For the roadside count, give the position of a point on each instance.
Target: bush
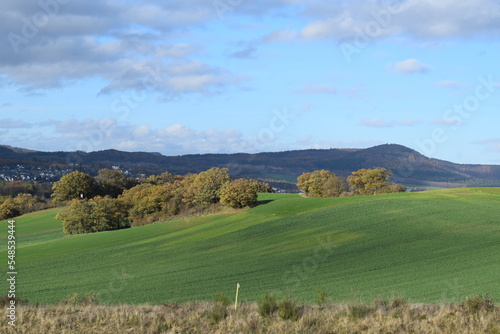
(8, 209)
(238, 194)
(321, 183)
(5, 301)
(288, 310)
(218, 313)
(21, 204)
(322, 297)
(222, 298)
(475, 304)
(262, 187)
(206, 186)
(95, 215)
(219, 308)
(359, 311)
(381, 304)
(398, 302)
(82, 300)
(267, 304)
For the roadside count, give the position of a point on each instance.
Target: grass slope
(429, 247)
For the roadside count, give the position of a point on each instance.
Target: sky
(225, 76)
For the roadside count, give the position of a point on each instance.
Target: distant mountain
(18, 149)
(407, 165)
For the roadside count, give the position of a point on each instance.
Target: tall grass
(379, 317)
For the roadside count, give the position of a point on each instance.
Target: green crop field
(436, 246)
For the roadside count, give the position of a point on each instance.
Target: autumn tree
(372, 181)
(206, 185)
(335, 186)
(113, 182)
(321, 183)
(140, 200)
(109, 213)
(78, 217)
(8, 209)
(26, 203)
(74, 185)
(152, 200)
(239, 193)
(168, 177)
(262, 187)
(165, 177)
(94, 215)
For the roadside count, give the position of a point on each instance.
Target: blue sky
(224, 76)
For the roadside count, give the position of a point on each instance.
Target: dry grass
(382, 317)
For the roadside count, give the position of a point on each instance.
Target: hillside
(429, 247)
(407, 165)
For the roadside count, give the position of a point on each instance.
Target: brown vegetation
(323, 183)
(21, 204)
(157, 198)
(202, 317)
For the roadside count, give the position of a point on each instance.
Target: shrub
(321, 183)
(219, 308)
(5, 301)
(288, 310)
(8, 209)
(218, 313)
(82, 300)
(262, 187)
(397, 302)
(381, 304)
(475, 304)
(95, 215)
(359, 311)
(238, 194)
(322, 297)
(207, 185)
(221, 298)
(267, 304)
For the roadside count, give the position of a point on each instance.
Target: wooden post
(237, 290)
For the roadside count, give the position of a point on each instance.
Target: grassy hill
(434, 246)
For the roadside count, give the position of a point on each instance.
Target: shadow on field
(259, 203)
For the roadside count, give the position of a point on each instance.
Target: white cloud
(448, 122)
(410, 122)
(411, 66)
(142, 131)
(8, 123)
(492, 144)
(310, 142)
(99, 134)
(310, 88)
(245, 53)
(419, 19)
(379, 123)
(450, 84)
(280, 36)
(376, 123)
(111, 41)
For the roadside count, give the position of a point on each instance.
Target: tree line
(21, 204)
(18, 198)
(111, 200)
(323, 183)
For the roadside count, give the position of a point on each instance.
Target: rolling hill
(434, 246)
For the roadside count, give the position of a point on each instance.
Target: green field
(436, 246)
